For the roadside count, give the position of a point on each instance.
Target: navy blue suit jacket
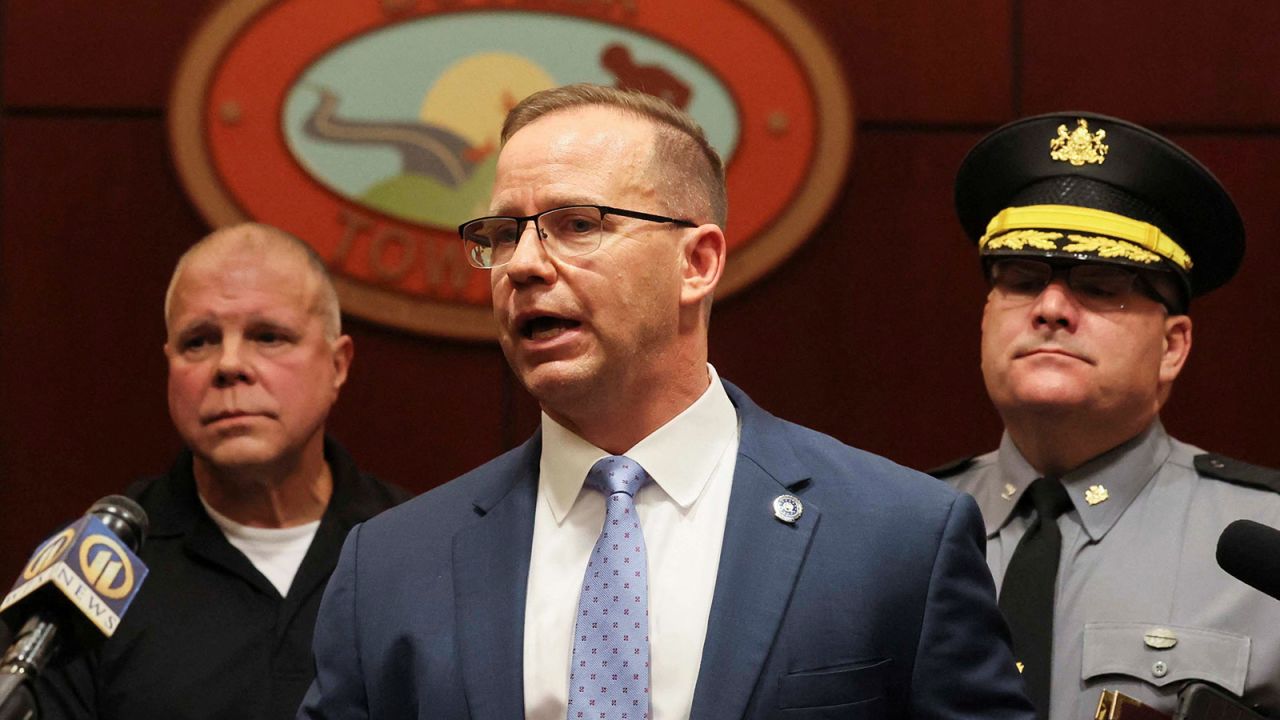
(877, 603)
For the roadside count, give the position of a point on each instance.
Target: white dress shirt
(682, 515)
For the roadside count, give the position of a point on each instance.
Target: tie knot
(1049, 498)
(617, 474)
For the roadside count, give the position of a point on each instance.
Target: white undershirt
(682, 514)
(276, 552)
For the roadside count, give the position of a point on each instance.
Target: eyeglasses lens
(565, 232)
(1096, 286)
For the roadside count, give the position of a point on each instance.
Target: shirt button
(1159, 669)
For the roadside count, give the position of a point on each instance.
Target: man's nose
(233, 366)
(1056, 306)
(530, 261)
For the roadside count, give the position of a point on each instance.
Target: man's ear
(703, 255)
(344, 351)
(1177, 346)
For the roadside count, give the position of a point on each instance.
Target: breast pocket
(1160, 655)
(834, 691)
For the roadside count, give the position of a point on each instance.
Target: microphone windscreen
(124, 518)
(1250, 552)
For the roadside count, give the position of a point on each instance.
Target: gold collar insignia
(1096, 494)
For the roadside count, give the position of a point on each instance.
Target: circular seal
(787, 508)
(375, 129)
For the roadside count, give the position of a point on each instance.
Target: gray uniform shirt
(1138, 570)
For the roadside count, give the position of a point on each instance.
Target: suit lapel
(490, 574)
(760, 561)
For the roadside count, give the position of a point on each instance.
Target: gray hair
(263, 236)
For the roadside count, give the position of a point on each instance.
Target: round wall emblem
(370, 128)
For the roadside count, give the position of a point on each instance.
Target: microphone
(73, 591)
(1250, 552)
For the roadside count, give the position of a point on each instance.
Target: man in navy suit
(772, 571)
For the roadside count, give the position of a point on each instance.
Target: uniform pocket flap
(840, 685)
(1162, 654)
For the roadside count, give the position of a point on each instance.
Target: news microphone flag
(89, 565)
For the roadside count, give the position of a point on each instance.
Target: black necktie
(1026, 597)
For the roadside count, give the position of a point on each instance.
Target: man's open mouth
(545, 327)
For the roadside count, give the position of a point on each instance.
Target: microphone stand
(23, 661)
(18, 703)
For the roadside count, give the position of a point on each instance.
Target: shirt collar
(173, 505)
(680, 456)
(1100, 490)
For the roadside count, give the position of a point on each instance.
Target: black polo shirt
(208, 636)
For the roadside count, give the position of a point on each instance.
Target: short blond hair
(266, 237)
(680, 144)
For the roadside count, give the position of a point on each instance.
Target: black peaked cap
(1142, 176)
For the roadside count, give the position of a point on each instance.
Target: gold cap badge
(1078, 147)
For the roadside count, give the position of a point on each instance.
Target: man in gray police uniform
(1095, 234)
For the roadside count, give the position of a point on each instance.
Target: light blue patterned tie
(609, 674)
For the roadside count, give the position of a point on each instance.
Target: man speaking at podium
(662, 548)
(247, 524)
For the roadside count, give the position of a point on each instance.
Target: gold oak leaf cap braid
(1092, 188)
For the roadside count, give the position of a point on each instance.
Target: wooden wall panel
(935, 61)
(418, 413)
(1226, 398)
(76, 54)
(870, 332)
(1182, 62)
(92, 220)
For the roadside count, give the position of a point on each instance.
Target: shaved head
(263, 240)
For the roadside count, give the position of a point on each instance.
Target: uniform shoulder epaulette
(1221, 467)
(955, 467)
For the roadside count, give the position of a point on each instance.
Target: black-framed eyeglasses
(569, 231)
(1100, 287)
